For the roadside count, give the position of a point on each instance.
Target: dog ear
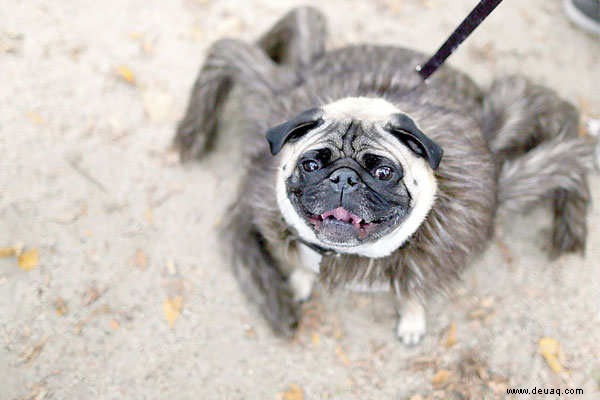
(405, 129)
(294, 128)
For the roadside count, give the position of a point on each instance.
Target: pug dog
(363, 176)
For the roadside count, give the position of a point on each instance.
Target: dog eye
(310, 165)
(370, 161)
(383, 173)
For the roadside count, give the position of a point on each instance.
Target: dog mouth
(341, 220)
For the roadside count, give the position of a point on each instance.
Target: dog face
(356, 176)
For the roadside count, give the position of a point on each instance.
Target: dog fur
(509, 147)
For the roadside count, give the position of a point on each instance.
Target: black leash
(467, 26)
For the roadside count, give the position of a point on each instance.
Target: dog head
(355, 176)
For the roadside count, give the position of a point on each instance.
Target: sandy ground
(86, 177)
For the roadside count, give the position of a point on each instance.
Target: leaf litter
(552, 353)
(293, 392)
(27, 259)
(172, 309)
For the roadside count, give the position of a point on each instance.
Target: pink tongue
(341, 214)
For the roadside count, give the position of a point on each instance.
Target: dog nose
(344, 179)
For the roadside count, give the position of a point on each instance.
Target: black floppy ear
(405, 129)
(294, 128)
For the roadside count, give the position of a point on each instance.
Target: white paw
(412, 325)
(302, 282)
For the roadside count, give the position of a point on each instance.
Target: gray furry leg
(534, 135)
(297, 39)
(228, 62)
(554, 170)
(259, 275)
(518, 115)
(570, 211)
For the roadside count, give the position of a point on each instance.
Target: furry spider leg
(534, 134)
(270, 66)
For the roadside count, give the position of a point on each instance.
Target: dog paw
(282, 312)
(301, 282)
(412, 325)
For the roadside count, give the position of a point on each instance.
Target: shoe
(584, 13)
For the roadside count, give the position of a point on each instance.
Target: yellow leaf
(450, 336)
(440, 378)
(140, 260)
(550, 349)
(35, 117)
(172, 309)
(149, 215)
(61, 306)
(29, 259)
(114, 324)
(316, 339)
(126, 74)
(294, 392)
(342, 356)
(7, 252)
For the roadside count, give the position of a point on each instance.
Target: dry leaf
(61, 306)
(149, 214)
(36, 118)
(450, 339)
(32, 353)
(294, 392)
(29, 259)
(316, 339)
(172, 309)
(440, 378)
(7, 252)
(140, 260)
(114, 324)
(37, 392)
(342, 356)
(550, 349)
(126, 74)
(91, 294)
